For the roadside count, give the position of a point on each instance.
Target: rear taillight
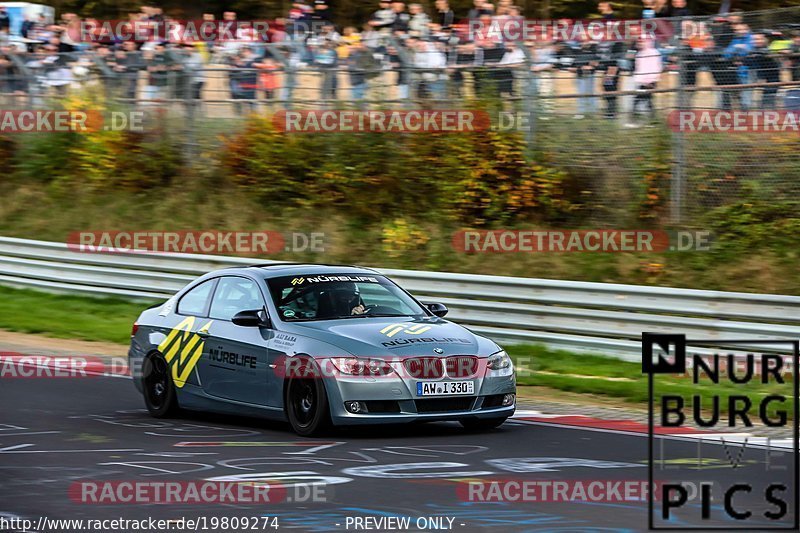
(134, 329)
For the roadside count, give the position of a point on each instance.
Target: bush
(476, 179)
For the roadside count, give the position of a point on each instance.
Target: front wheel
(307, 407)
(160, 396)
(482, 424)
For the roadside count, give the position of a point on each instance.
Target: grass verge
(68, 316)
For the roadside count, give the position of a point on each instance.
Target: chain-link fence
(603, 110)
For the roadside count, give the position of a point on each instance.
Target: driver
(348, 297)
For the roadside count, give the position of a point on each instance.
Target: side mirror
(251, 319)
(437, 309)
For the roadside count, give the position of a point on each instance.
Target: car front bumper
(393, 400)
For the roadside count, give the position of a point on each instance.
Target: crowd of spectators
(433, 53)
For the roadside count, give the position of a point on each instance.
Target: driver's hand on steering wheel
(359, 310)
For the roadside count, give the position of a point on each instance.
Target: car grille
(457, 366)
(495, 400)
(443, 405)
(382, 406)
(424, 367)
(461, 366)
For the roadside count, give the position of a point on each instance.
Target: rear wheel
(307, 406)
(482, 424)
(160, 396)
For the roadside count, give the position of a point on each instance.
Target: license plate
(445, 388)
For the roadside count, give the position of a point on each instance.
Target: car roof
(276, 270)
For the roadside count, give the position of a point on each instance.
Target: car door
(182, 345)
(234, 362)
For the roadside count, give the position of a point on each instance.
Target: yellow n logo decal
(182, 349)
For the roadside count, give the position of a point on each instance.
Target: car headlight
(498, 361)
(355, 366)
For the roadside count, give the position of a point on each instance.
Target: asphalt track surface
(56, 432)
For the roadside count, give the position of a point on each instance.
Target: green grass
(67, 316)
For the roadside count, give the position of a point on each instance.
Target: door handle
(203, 333)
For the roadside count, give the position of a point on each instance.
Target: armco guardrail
(580, 316)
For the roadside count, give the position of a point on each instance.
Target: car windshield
(338, 296)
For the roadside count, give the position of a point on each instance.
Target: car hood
(393, 337)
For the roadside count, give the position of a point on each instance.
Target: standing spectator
(793, 55)
(403, 73)
(722, 68)
(268, 79)
(298, 23)
(463, 59)
(244, 78)
(127, 64)
(606, 11)
(610, 54)
(584, 67)
(27, 26)
(401, 18)
(764, 66)
(370, 37)
(480, 8)
(10, 76)
(322, 12)
(419, 21)
(349, 37)
(445, 15)
(194, 64)
(5, 23)
(431, 63)
(383, 19)
(646, 74)
(648, 9)
(325, 58)
(361, 66)
(329, 34)
(544, 62)
(692, 54)
(488, 52)
(661, 8)
(158, 68)
(740, 47)
(512, 58)
(679, 9)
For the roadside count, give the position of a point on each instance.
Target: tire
(160, 395)
(307, 409)
(482, 424)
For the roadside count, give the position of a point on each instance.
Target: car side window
(195, 302)
(234, 295)
(304, 306)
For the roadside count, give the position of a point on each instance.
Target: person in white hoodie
(648, 66)
(419, 20)
(431, 62)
